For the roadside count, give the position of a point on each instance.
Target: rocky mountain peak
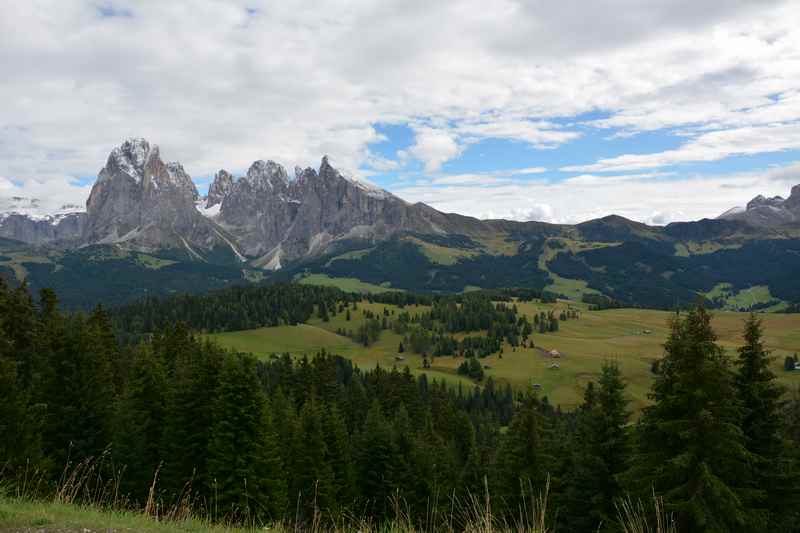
(326, 170)
(305, 175)
(141, 200)
(793, 202)
(768, 212)
(267, 175)
(761, 200)
(130, 158)
(178, 179)
(219, 188)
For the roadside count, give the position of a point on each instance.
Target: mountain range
(146, 229)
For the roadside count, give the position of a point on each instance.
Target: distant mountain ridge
(768, 212)
(147, 229)
(263, 217)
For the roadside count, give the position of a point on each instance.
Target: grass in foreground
(27, 515)
(51, 517)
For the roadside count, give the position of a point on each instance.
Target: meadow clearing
(631, 337)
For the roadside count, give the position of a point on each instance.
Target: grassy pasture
(631, 337)
(346, 284)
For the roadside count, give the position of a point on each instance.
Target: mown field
(631, 337)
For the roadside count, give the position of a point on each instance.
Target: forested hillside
(178, 421)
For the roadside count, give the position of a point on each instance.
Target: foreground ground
(28, 516)
(632, 337)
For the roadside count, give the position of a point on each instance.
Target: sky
(561, 111)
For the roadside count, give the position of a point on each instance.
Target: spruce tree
(770, 481)
(20, 425)
(78, 390)
(139, 423)
(691, 449)
(312, 476)
(521, 470)
(377, 459)
(244, 463)
(600, 454)
(187, 427)
(339, 457)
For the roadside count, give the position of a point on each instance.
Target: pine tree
(188, 421)
(244, 464)
(601, 452)
(338, 456)
(690, 446)
(312, 476)
(760, 396)
(471, 474)
(377, 457)
(20, 425)
(521, 470)
(78, 389)
(139, 422)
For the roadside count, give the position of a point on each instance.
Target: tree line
(249, 439)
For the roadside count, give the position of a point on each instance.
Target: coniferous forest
(159, 417)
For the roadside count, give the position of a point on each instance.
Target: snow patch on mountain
(207, 211)
(34, 209)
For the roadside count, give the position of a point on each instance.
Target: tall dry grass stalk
(84, 483)
(634, 517)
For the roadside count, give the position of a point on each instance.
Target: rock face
(768, 212)
(277, 220)
(23, 219)
(219, 189)
(140, 200)
(56, 228)
(263, 217)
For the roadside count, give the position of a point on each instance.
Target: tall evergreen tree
(187, 426)
(20, 424)
(601, 454)
(139, 423)
(691, 449)
(339, 457)
(312, 475)
(377, 457)
(78, 389)
(521, 470)
(244, 463)
(772, 482)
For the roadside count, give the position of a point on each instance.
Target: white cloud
(529, 170)
(534, 212)
(711, 146)
(434, 147)
(220, 84)
(485, 178)
(789, 174)
(540, 134)
(654, 198)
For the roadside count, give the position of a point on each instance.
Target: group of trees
(471, 368)
(230, 309)
(283, 438)
(431, 333)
